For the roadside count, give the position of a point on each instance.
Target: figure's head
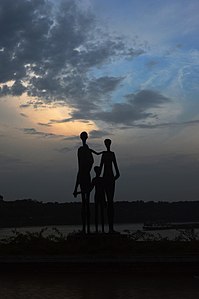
(83, 136)
(97, 170)
(107, 143)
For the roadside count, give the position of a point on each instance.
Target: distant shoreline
(28, 212)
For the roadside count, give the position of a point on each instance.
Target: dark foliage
(29, 212)
(96, 245)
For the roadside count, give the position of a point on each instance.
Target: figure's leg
(96, 216)
(110, 214)
(83, 211)
(110, 209)
(102, 215)
(107, 192)
(88, 212)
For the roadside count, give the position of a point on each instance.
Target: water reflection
(98, 286)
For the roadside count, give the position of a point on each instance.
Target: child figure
(100, 201)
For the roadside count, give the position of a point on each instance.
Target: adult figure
(85, 163)
(108, 160)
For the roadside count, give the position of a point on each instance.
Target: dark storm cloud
(97, 93)
(17, 88)
(32, 131)
(4, 90)
(99, 87)
(53, 50)
(145, 99)
(23, 26)
(135, 108)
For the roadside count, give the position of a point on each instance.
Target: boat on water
(156, 226)
(165, 226)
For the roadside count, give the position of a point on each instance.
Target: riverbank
(136, 253)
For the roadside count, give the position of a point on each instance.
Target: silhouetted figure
(100, 200)
(108, 160)
(85, 163)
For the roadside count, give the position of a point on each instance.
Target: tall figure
(108, 160)
(85, 163)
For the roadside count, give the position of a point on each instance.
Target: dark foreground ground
(102, 253)
(98, 285)
(186, 266)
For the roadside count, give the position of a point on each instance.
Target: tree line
(28, 212)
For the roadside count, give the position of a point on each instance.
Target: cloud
(32, 131)
(101, 86)
(96, 94)
(25, 105)
(49, 52)
(35, 103)
(162, 125)
(64, 150)
(59, 121)
(17, 88)
(72, 138)
(95, 134)
(171, 124)
(151, 63)
(146, 99)
(43, 124)
(135, 108)
(4, 90)
(23, 114)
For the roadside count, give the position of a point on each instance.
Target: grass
(77, 244)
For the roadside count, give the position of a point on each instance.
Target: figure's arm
(101, 163)
(116, 167)
(75, 193)
(94, 152)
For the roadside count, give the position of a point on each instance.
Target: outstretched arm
(94, 152)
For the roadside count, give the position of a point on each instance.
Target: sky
(127, 70)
